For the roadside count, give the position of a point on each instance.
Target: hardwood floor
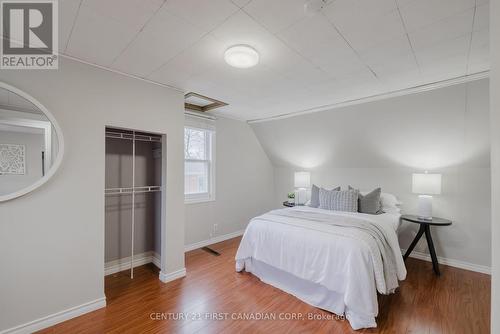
(457, 302)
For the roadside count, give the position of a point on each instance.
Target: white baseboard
(112, 267)
(140, 259)
(451, 262)
(56, 318)
(165, 278)
(156, 260)
(115, 266)
(182, 272)
(214, 240)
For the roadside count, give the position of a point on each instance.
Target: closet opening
(134, 202)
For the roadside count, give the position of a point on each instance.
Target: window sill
(198, 200)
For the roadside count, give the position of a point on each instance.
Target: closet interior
(133, 200)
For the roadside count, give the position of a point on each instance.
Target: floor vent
(211, 251)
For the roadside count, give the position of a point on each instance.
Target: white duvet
(352, 254)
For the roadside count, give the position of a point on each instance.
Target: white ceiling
(351, 49)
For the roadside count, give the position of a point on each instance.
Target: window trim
(210, 152)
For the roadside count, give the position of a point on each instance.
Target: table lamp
(426, 185)
(302, 182)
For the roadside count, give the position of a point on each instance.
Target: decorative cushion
(344, 200)
(314, 202)
(370, 202)
(389, 201)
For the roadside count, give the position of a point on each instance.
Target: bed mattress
(325, 262)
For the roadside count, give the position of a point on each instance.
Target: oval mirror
(31, 143)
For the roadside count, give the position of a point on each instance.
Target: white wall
(495, 161)
(381, 143)
(34, 145)
(52, 240)
(244, 184)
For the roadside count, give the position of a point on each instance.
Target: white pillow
(392, 210)
(389, 202)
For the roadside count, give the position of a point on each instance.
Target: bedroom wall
(34, 145)
(244, 184)
(495, 161)
(52, 240)
(382, 143)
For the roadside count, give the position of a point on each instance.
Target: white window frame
(210, 153)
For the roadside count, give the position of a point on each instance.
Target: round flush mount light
(241, 56)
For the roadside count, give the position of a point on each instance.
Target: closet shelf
(132, 136)
(130, 190)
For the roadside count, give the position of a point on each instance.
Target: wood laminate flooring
(213, 298)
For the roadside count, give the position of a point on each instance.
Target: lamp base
(300, 196)
(425, 207)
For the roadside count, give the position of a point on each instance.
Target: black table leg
(414, 242)
(435, 264)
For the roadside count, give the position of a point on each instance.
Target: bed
(333, 260)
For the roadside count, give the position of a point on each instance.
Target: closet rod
(129, 190)
(129, 136)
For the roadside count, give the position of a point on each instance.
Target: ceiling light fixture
(241, 56)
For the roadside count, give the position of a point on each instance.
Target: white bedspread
(351, 254)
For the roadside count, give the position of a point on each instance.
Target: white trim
(200, 115)
(122, 264)
(45, 126)
(165, 278)
(164, 216)
(156, 260)
(212, 241)
(383, 96)
(56, 318)
(198, 123)
(451, 262)
(414, 254)
(60, 139)
(193, 200)
(406, 91)
(214, 115)
(120, 72)
(210, 151)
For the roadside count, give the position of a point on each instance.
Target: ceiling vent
(197, 102)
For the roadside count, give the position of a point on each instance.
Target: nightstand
(425, 227)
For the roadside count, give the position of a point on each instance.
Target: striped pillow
(345, 200)
(314, 203)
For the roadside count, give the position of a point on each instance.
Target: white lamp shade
(427, 184)
(302, 179)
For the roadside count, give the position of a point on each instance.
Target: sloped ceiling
(434, 130)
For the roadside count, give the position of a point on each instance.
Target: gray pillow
(315, 195)
(369, 203)
(345, 200)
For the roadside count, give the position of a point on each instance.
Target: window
(198, 164)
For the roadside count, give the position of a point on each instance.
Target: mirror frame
(60, 138)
